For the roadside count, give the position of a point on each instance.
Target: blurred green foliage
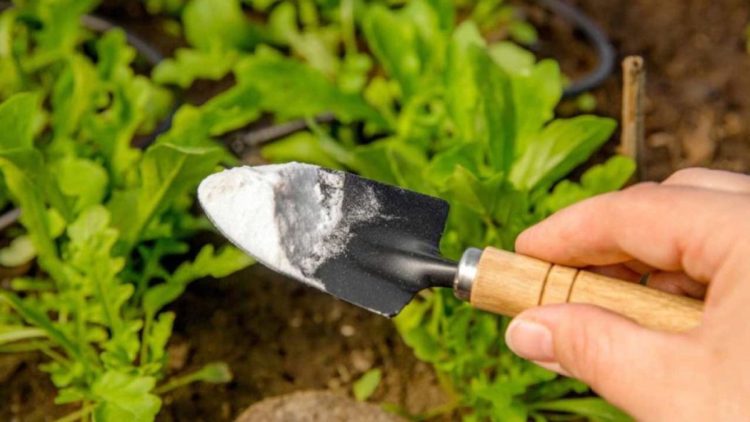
(99, 215)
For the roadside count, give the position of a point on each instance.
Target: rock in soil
(315, 406)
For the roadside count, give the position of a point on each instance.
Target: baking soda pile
(290, 217)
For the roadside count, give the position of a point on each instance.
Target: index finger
(673, 228)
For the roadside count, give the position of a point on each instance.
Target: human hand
(690, 232)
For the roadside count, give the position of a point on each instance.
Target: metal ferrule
(467, 270)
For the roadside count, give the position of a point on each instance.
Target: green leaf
(232, 109)
(17, 116)
(594, 408)
(23, 170)
(393, 40)
(214, 373)
(462, 93)
(536, 93)
(72, 95)
(392, 161)
(89, 251)
(611, 175)
(445, 12)
(38, 318)
(558, 149)
(26, 177)
(317, 46)
(301, 146)
(514, 59)
(291, 89)
(523, 32)
(10, 333)
(125, 397)
(225, 261)
(166, 172)
(11, 75)
(498, 124)
(156, 339)
(84, 180)
(207, 263)
(188, 65)
(443, 164)
(131, 103)
(366, 385)
(218, 24)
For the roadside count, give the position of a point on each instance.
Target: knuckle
(639, 190)
(686, 175)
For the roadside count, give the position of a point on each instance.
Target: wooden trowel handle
(508, 283)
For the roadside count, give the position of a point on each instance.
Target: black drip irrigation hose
(604, 51)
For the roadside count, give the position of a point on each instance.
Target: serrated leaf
(188, 65)
(125, 397)
(166, 172)
(207, 263)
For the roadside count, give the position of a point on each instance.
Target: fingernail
(530, 340)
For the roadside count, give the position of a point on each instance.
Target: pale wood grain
(508, 283)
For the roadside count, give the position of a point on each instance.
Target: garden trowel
(376, 246)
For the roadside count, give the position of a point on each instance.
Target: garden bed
(279, 337)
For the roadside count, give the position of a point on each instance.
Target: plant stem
(147, 320)
(21, 333)
(175, 383)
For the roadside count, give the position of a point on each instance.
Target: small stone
(315, 406)
(334, 383)
(177, 355)
(361, 360)
(295, 321)
(347, 330)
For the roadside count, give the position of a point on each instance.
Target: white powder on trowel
(288, 216)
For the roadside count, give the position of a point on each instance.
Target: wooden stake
(632, 141)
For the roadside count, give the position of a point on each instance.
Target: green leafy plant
(449, 115)
(99, 215)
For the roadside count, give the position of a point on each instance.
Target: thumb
(625, 363)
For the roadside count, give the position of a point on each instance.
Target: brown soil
(280, 337)
(697, 110)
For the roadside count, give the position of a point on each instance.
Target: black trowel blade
(390, 258)
(385, 241)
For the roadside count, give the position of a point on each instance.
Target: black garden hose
(604, 51)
